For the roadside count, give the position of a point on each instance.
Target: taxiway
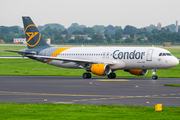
(97, 90)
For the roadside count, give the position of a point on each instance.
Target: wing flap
(71, 59)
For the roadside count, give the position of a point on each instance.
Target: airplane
(97, 60)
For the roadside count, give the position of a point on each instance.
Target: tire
(85, 75)
(154, 77)
(112, 75)
(88, 75)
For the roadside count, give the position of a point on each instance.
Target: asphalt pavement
(97, 90)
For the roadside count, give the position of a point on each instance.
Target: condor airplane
(97, 60)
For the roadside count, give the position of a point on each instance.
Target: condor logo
(32, 35)
(128, 55)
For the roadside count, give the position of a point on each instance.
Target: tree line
(96, 34)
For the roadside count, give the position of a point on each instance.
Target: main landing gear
(112, 75)
(87, 75)
(154, 77)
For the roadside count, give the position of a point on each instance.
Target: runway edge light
(158, 107)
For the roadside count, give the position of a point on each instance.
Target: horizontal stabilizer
(32, 53)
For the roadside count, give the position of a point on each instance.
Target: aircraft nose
(175, 61)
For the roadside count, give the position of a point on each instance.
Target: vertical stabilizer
(34, 38)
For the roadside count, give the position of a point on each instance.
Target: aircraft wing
(71, 59)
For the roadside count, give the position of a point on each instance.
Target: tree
(108, 37)
(76, 26)
(2, 36)
(88, 30)
(132, 35)
(119, 28)
(58, 36)
(98, 38)
(129, 29)
(154, 31)
(99, 29)
(142, 36)
(118, 35)
(172, 27)
(110, 27)
(143, 31)
(78, 32)
(65, 32)
(129, 40)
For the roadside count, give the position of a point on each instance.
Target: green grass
(32, 67)
(176, 85)
(11, 47)
(13, 111)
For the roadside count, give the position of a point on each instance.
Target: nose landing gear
(154, 77)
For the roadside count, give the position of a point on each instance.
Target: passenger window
(160, 54)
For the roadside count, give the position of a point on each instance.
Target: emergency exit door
(149, 55)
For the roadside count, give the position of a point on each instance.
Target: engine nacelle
(138, 72)
(100, 69)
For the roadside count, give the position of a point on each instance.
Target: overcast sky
(138, 13)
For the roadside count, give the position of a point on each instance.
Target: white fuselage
(121, 57)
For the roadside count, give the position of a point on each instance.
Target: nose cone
(175, 62)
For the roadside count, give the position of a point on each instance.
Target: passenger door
(149, 55)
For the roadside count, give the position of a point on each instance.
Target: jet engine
(100, 69)
(138, 72)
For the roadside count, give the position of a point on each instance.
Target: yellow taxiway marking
(103, 96)
(165, 97)
(49, 94)
(84, 99)
(121, 97)
(129, 96)
(112, 80)
(164, 94)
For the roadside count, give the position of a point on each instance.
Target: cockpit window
(168, 54)
(165, 54)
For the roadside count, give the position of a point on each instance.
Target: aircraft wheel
(86, 75)
(154, 77)
(89, 75)
(112, 75)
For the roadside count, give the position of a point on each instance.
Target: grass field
(32, 67)
(175, 51)
(175, 85)
(13, 111)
